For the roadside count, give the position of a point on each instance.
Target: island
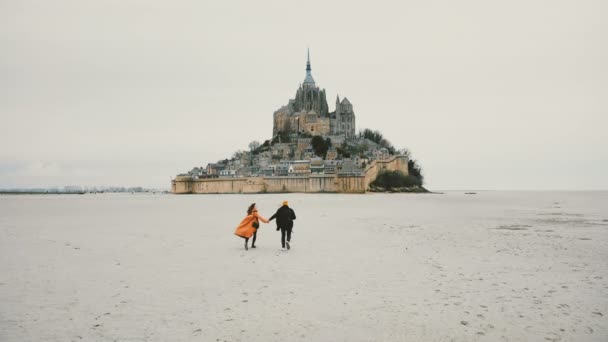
(312, 150)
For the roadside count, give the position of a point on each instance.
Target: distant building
(244, 172)
(281, 150)
(227, 173)
(269, 171)
(198, 172)
(303, 144)
(317, 166)
(349, 167)
(300, 168)
(282, 170)
(214, 169)
(332, 154)
(331, 166)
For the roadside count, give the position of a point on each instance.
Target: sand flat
(495, 266)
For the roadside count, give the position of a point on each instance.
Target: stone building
(317, 166)
(343, 119)
(332, 153)
(281, 150)
(309, 113)
(213, 169)
(299, 168)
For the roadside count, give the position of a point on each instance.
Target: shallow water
(512, 266)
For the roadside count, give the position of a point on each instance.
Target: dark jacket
(284, 216)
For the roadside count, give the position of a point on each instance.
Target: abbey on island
(312, 149)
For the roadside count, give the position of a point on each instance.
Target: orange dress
(245, 229)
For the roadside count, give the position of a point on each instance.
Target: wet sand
(495, 266)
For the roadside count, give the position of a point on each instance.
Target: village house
(281, 150)
(228, 173)
(332, 154)
(317, 166)
(299, 168)
(197, 172)
(348, 167)
(330, 166)
(213, 170)
(269, 171)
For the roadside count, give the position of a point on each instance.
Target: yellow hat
(285, 203)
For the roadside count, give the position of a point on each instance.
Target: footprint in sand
(100, 316)
(553, 337)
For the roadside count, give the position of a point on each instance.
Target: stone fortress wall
(306, 184)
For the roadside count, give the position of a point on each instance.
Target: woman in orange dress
(249, 225)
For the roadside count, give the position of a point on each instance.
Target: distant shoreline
(76, 192)
(40, 193)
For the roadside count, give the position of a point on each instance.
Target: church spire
(308, 81)
(308, 60)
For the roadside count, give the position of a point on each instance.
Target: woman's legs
(255, 235)
(246, 241)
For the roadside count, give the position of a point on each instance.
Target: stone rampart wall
(310, 184)
(395, 163)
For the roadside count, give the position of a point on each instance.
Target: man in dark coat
(285, 216)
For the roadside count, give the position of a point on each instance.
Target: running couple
(251, 223)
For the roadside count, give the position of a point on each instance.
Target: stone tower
(309, 112)
(309, 96)
(345, 118)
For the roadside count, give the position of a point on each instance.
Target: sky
(504, 95)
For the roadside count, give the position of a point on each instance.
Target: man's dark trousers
(285, 231)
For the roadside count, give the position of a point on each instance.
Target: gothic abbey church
(309, 113)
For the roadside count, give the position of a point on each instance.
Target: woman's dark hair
(250, 209)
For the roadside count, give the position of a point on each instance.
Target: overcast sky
(486, 94)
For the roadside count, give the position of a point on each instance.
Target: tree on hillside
(395, 179)
(344, 150)
(415, 170)
(404, 151)
(378, 138)
(285, 133)
(320, 146)
(254, 145)
(237, 154)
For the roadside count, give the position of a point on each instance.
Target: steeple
(308, 60)
(308, 81)
(338, 104)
